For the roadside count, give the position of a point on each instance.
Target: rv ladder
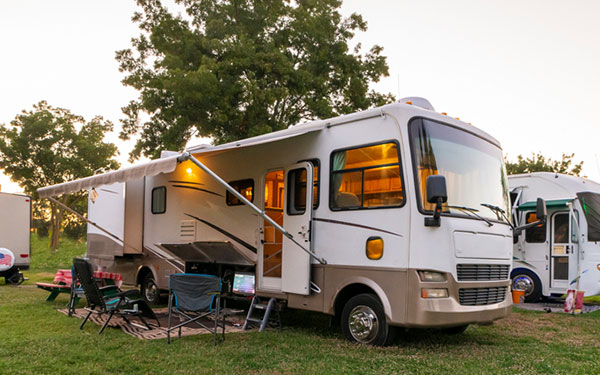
(270, 308)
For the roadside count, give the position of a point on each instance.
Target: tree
(230, 69)
(44, 147)
(539, 163)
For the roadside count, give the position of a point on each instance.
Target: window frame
(163, 188)
(399, 164)
(228, 194)
(315, 163)
(290, 195)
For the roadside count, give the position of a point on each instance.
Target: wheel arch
(353, 287)
(141, 273)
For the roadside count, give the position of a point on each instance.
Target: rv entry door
(297, 216)
(564, 252)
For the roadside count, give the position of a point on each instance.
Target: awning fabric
(152, 168)
(552, 203)
(294, 131)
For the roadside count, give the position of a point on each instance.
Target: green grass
(42, 259)
(36, 339)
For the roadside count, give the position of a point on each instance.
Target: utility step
(261, 306)
(254, 320)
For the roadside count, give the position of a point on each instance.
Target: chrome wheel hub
(363, 324)
(523, 282)
(151, 291)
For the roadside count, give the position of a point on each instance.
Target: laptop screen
(243, 283)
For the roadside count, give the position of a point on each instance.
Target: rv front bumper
(478, 302)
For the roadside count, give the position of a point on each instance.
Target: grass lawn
(36, 339)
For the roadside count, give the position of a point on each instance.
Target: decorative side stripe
(185, 182)
(195, 188)
(223, 231)
(356, 225)
(515, 259)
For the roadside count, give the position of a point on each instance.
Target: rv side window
(536, 234)
(244, 187)
(366, 177)
(159, 200)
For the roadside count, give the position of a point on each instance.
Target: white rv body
(557, 256)
(446, 276)
(15, 224)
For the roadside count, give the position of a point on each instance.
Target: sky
(527, 72)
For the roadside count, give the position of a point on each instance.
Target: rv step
(270, 315)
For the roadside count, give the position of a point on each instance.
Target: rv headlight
(430, 276)
(434, 293)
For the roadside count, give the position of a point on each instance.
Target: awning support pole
(187, 156)
(81, 217)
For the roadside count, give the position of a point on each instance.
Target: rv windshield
(591, 208)
(473, 167)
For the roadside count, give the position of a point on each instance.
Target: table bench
(63, 280)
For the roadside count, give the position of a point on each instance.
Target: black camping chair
(193, 297)
(110, 299)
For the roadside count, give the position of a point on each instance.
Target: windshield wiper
(497, 210)
(472, 211)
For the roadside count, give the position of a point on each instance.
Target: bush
(75, 230)
(42, 227)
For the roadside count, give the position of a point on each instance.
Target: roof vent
(417, 101)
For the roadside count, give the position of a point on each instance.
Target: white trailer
(563, 253)
(15, 224)
(346, 216)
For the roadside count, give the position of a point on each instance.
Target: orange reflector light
(444, 113)
(409, 103)
(458, 118)
(434, 293)
(598, 267)
(374, 248)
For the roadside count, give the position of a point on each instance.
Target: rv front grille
(481, 296)
(482, 272)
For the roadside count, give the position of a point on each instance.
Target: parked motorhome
(374, 217)
(564, 253)
(15, 224)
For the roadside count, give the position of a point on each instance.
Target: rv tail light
(24, 255)
(430, 276)
(434, 293)
(374, 248)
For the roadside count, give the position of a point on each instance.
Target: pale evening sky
(527, 72)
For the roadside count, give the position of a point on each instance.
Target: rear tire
(149, 290)
(363, 321)
(526, 280)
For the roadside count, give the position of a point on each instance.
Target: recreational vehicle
(563, 253)
(386, 218)
(15, 224)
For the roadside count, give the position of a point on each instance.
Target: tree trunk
(56, 221)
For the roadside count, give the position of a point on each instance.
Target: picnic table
(64, 278)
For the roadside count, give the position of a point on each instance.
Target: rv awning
(152, 168)
(552, 203)
(294, 131)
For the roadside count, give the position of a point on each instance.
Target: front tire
(526, 280)
(149, 290)
(363, 321)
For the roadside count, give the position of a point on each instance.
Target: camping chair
(76, 292)
(193, 297)
(110, 299)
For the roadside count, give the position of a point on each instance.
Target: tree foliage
(47, 146)
(539, 163)
(230, 69)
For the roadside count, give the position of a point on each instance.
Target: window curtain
(339, 162)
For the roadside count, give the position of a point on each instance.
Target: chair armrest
(109, 287)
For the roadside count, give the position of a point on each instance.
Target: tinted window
(296, 191)
(159, 200)
(366, 177)
(245, 188)
(536, 234)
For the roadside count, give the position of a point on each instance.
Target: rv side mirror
(540, 210)
(436, 193)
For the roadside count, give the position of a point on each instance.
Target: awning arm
(187, 156)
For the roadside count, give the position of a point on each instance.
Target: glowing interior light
(189, 171)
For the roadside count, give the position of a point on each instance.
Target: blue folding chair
(193, 297)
